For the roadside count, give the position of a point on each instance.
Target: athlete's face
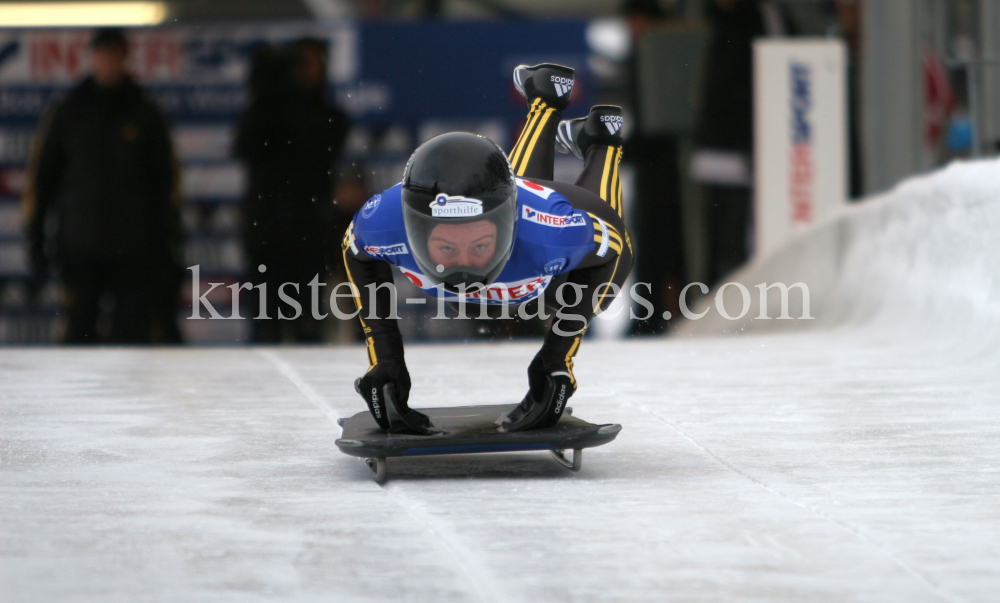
(470, 244)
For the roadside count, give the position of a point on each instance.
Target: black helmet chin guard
(459, 178)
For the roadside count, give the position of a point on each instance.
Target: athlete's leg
(547, 89)
(533, 155)
(600, 174)
(597, 140)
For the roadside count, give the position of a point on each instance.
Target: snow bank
(922, 260)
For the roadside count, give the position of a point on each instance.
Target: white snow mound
(922, 261)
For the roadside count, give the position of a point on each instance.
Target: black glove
(551, 384)
(386, 390)
(539, 371)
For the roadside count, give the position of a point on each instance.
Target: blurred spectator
(725, 133)
(102, 169)
(848, 27)
(657, 226)
(290, 138)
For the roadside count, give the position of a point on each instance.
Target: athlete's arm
(368, 274)
(588, 289)
(387, 376)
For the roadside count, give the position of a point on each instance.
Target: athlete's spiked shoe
(603, 127)
(548, 81)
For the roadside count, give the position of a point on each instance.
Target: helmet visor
(466, 253)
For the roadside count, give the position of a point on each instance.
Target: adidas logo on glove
(612, 122)
(563, 85)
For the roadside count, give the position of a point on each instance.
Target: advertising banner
(800, 136)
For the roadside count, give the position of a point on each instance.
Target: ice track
(854, 460)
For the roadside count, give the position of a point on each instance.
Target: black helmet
(460, 210)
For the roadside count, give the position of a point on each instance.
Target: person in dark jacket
(656, 203)
(722, 161)
(290, 139)
(102, 171)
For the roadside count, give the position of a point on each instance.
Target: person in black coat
(102, 170)
(290, 139)
(656, 206)
(723, 160)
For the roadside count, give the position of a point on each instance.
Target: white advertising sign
(800, 136)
